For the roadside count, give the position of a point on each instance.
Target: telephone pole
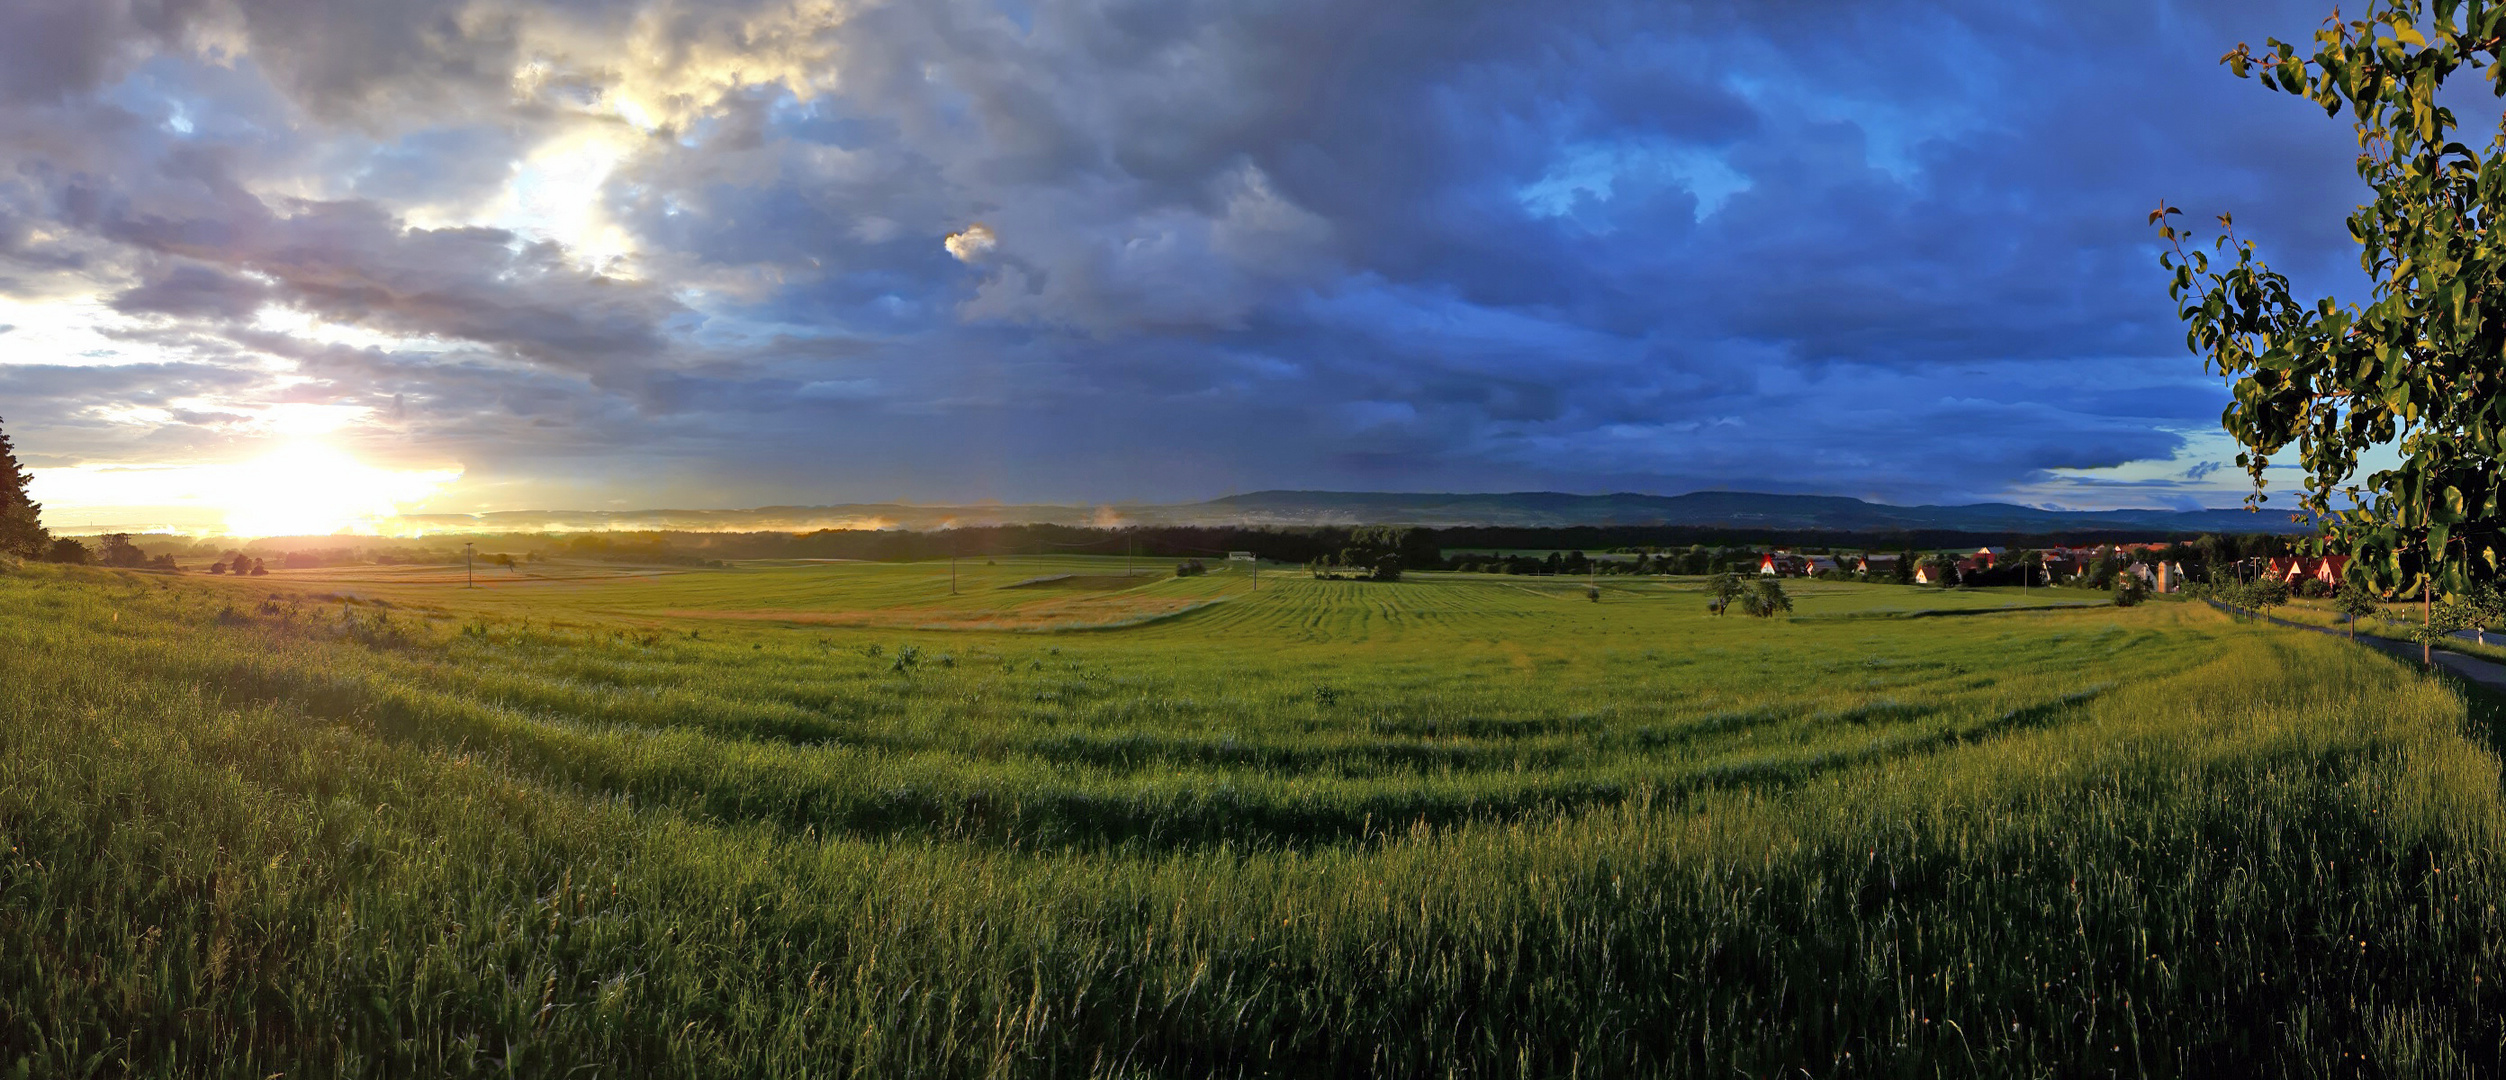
(469, 566)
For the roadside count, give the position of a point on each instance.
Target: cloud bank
(734, 252)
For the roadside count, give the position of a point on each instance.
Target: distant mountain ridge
(1523, 509)
(1735, 509)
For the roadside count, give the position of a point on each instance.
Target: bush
(1190, 568)
(66, 550)
(2129, 590)
(2313, 589)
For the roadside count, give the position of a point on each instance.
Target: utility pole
(469, 565)
(952, 569)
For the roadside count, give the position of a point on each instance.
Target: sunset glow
(306, 488)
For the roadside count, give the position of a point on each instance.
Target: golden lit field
(827, 818)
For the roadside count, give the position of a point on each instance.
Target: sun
(311, 488)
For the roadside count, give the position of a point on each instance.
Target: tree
(1724, 588)
(2484, 606)
(2357, 602)
(119, 551)
(2414, 368)
(2129, 589)
(1944, 567)
(22, 532)
(66, 550)
(1766, 599)
(2267, 594)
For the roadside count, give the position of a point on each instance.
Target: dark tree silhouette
(119, 551)
(21, 519)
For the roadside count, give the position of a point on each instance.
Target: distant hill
(1736, 509)
(1532, 509)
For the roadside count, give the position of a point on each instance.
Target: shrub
(1190, 568)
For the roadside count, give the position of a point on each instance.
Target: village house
(1989, 558)
(1877, 565)
(2160, 576)
(2326, 569)
(1781, 564)
(1930, 574)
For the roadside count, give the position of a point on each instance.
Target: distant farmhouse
(2045, 566)
(2326, 569)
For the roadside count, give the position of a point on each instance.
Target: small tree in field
(2357, 602)
(2484, 606)
(2269, 593)
(1767, 600)
(2413, 371)
(1724, 588)
(119, 551)
(2129, 589)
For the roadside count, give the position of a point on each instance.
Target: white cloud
(973, 244)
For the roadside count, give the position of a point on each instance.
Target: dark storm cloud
(1875, 249)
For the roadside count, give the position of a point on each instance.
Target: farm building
(1930, 574)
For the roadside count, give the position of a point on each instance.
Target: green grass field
(829, 819)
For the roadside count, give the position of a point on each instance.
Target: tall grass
(2153, 841)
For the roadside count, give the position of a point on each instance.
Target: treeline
(1613, 549)
(1821, 542)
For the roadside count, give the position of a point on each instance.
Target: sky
(278, 264)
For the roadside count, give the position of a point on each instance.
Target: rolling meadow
(1080, 817)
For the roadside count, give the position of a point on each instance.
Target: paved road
(2488, 673)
